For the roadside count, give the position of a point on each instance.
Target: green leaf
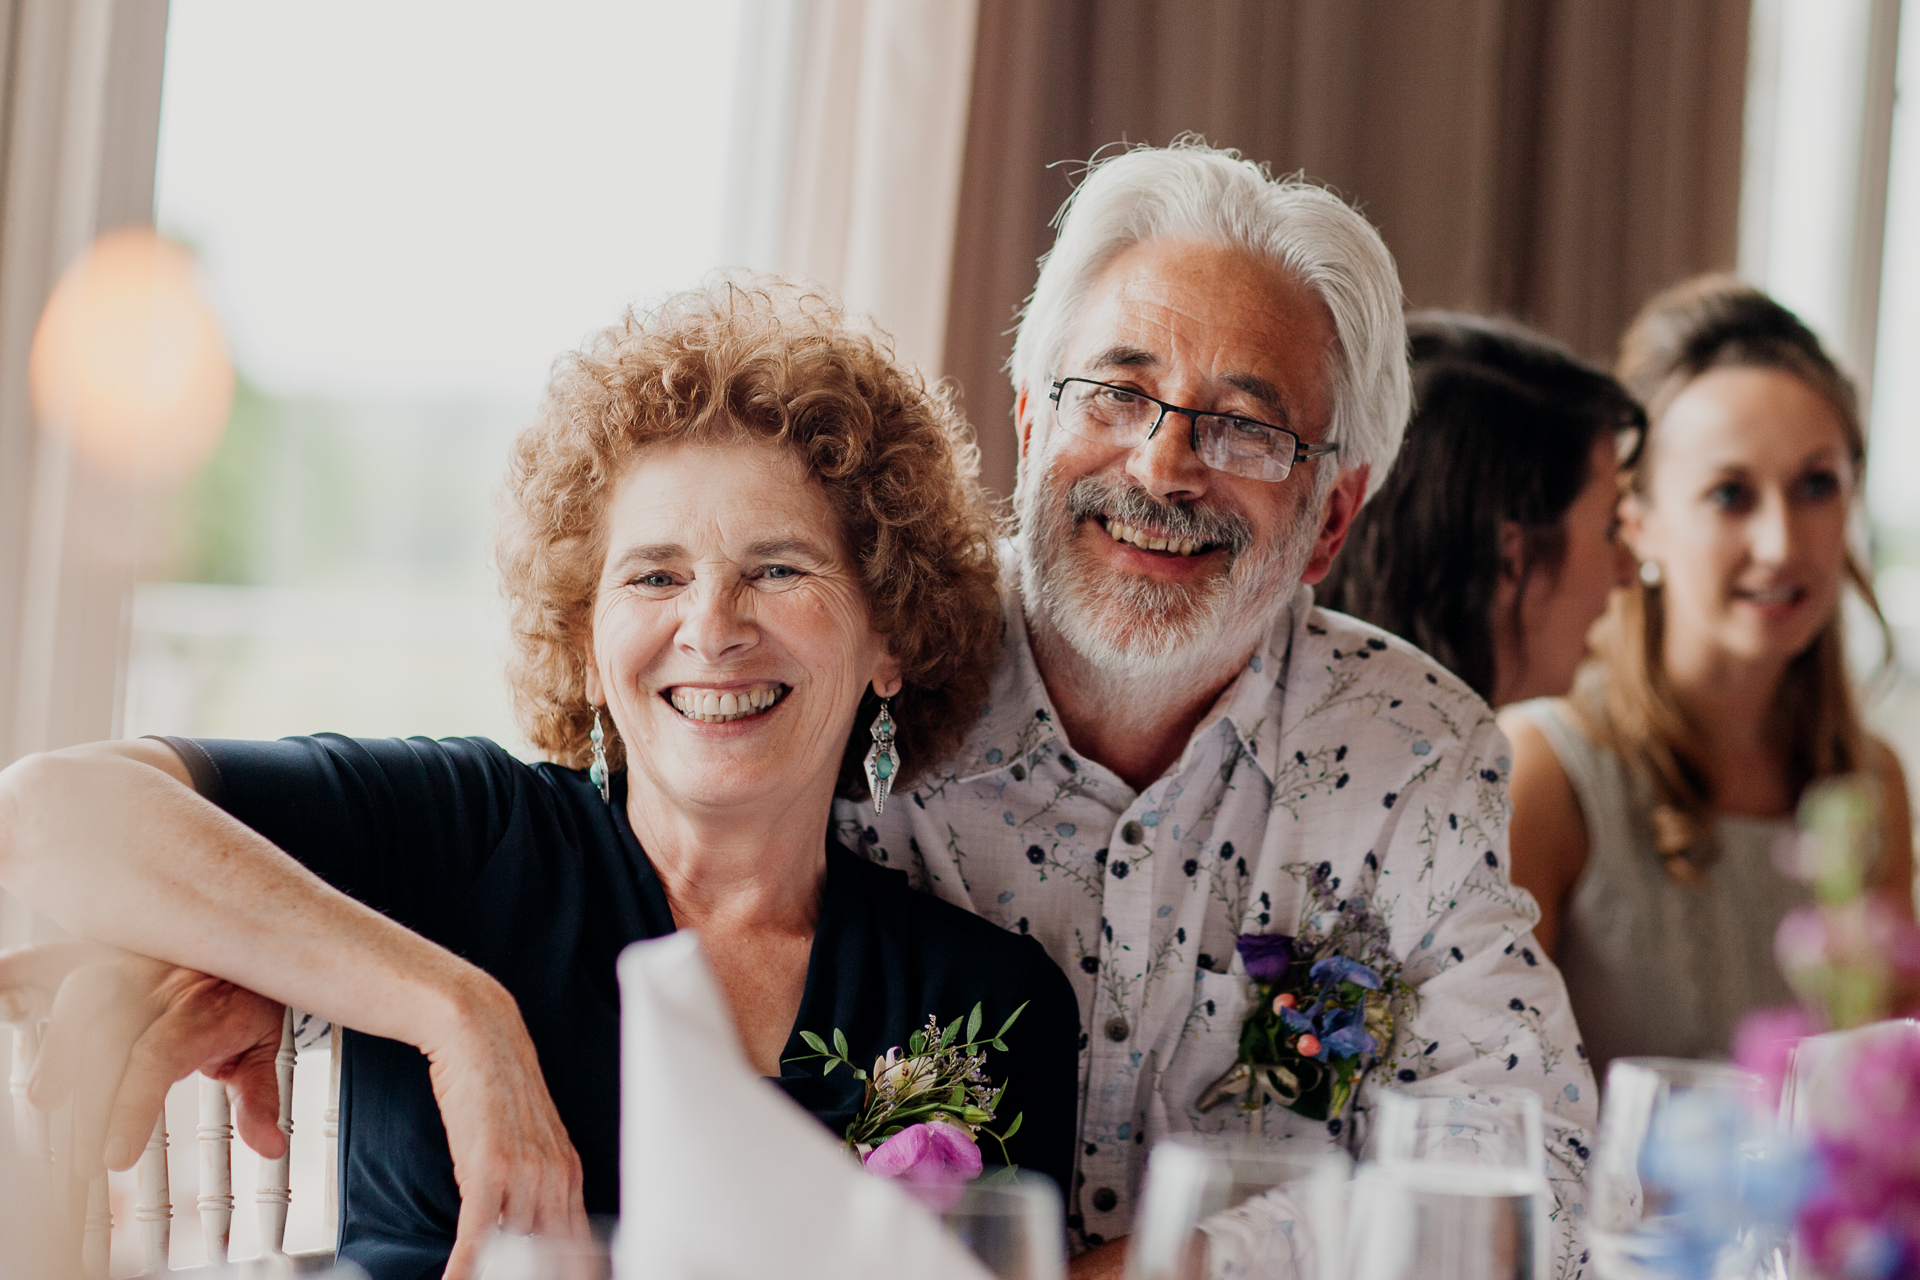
(831, 1064)
(1010, 1019)
(998, 1043)
(973, 1023)
(953, 1029)
(839, 1042)
(958, 1097)
(859, 1074)
(916, 1044)
(814, 1043)
(1014, 1127)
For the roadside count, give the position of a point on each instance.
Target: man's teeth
(1123, 532)
(718, 708)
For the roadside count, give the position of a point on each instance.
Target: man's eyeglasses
(1105, 414)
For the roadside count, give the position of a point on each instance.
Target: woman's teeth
(718, 708)
(1773, 595)
(1122, 532)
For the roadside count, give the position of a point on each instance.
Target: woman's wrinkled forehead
(737, 498)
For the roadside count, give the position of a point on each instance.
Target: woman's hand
(512, 1158)
(120, 1029)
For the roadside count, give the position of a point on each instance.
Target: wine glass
(1664, 1188)
(1458, 1187)
(1218, 1205)
(1011, 1222)
(1441, 1220)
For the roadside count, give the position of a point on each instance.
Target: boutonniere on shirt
(1321, 1011)
(924, 1108)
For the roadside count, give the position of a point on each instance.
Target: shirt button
(1133, 832)
(1117, 1029)
(1104, 1199)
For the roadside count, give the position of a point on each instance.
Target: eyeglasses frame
(1302, 451)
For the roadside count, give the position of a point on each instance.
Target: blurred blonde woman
(1646, 805)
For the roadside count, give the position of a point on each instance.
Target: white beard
(1133, 629)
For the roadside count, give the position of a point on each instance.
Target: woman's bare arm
(1547, 836)
(113, 844)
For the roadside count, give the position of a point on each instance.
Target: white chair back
(45, 1142)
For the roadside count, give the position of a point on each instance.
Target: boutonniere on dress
(1321, 1012)
(924, 1107)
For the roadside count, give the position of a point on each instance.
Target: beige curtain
(849, 122)
(81, 97)
(1557, 162)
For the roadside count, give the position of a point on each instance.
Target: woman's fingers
(479, 1214)
(512, 1157)
(96, 1017)
(213, 1027)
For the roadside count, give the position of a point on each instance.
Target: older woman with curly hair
(750, 571)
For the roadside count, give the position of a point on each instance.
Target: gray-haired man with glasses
(1181, 749)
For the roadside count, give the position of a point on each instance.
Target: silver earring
(597, 771)
(1649, 573)
(883, 759)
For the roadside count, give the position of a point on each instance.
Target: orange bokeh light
(129, 360)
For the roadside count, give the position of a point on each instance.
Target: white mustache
(1208, 526)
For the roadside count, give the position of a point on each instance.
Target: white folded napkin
(721, 1176)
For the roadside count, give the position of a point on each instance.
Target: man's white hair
(1191, 191)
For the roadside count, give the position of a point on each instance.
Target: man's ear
(1022, 423)
(1343, 504)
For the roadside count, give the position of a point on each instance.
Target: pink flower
(939, 1153)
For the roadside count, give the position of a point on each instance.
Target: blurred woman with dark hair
(1491, 545)
(1647, 804)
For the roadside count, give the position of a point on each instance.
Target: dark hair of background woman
(1503, 429)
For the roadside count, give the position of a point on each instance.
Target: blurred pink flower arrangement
(1853, 959)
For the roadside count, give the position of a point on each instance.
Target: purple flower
(1341, 969)
(1266, 955)
(1348, 1041)
(938, 1153)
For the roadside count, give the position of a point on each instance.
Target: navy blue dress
(524, 871)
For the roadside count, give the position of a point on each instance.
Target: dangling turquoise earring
(597, 771)
(883, 759)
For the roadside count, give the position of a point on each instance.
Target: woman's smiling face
(1746, 513)
(731, 639)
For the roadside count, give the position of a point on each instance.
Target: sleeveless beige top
(1653, 966)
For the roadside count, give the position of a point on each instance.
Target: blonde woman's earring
(1649, 573)
(597, 771)
(883, 758)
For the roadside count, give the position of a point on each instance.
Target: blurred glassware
(1011, 1221)
(509, 1256)
(1469, 1171)
(1442, 1220)
(1219, 1205)
(1814, 1061)
(1485, 1127)
(1680, 1181)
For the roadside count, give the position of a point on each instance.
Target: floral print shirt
(1340, 758)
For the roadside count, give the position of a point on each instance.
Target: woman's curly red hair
(769, 359)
